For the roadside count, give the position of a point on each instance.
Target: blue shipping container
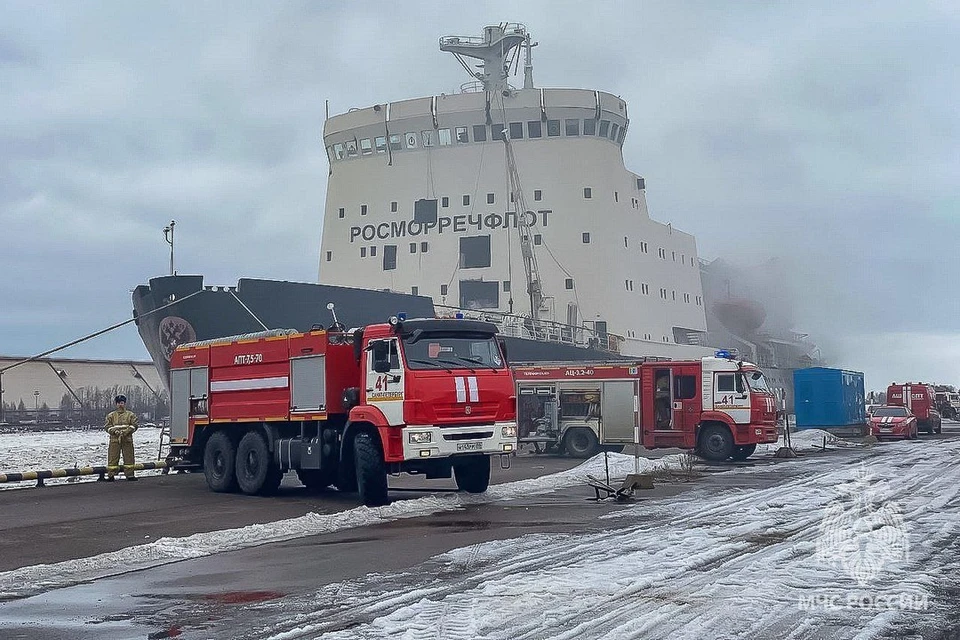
(828, 398)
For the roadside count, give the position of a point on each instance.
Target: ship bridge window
(444, 136)
(461, 133)
(338, 151)
(662, 253)
(395, 142)
(363, 252)
(553, 128)
(329, 256)
(373, 251)
(425, 211)
(491, 198)
(644, 247)
(534, 129)
(645, 289)
(506, 285)
(604, 128)
(366, 148)
(427, 138)
(537, 194)
(613, 131)
(568, 283)
(537, 239)
(640, 184)
(423, 247)
(444, 201)
(479, 133)
(443, 289)
(587, 193)
(389, 257)
(586, 238)
(516, 130)
(479, 294)
(474, 252)
(466, 200)
(589, 127)
(363, 209)
(380, 143)
(623, 134)
(413, 247)
(352, 148)
(497, 131)
(341, 213)
(415, 291)
(393, 207)
(572, 127)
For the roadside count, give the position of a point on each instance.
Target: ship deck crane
(530, 268)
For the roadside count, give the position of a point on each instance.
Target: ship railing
(454, 40)
(519, 326)
(472, 87)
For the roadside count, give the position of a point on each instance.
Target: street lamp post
(36, 405)
(168, 236)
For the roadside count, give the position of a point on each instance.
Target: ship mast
(498, 50)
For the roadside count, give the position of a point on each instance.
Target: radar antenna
(497, 50)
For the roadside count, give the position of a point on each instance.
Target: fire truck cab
(920, 400)
(718, 406)
(345, 408)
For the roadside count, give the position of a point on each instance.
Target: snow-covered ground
(861, 544)
(37, 450)
(39, 578)
(839, 550)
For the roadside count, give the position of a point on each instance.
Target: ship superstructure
(423, 197)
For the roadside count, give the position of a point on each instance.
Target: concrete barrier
(101, 471)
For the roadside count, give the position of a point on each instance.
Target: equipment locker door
(617, 413)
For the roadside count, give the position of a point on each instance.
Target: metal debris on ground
(625, 491)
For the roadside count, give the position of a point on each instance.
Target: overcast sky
(828, 137)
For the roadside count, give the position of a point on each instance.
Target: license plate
(469, 446)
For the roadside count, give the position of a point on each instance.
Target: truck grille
(479, 412)
(473, 435)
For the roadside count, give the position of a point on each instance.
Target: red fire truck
(719, 406)
(920, 400)
(345, 408)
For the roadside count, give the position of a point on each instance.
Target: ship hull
(173, 310)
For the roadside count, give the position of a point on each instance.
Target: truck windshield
(756, 381)
(448, 350)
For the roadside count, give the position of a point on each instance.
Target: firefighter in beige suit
(120, 425)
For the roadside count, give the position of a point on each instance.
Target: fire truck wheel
(716, 443)
(580, 442)
(743, 452)
(255, 470)
(219, 460)
(472, 473)
(371, 472)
